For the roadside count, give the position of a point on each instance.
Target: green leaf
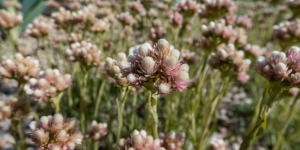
(33, 12)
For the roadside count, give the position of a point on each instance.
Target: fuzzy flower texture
(139, 140)
(229, 60)
(55, 133)
(49, 84)
(281, 67)
(160, 65)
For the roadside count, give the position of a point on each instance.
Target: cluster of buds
(9, 20)
(55, 132)
(99, 26)
(49, 84)
(139, 140)
(187, 8)
(20, 109)
(281, 67)
(40, 27)
(156, 65)
(52, 3)
(255, 50)
(113, 70)
(137, 8)
(125, 19)
(176, 20)
(230, 61)
(287, 31)
(156, 33)
(5, 110)
(86, 53)
(217, 144)
(244, 21)
(241, 37)
(188, 56)
(214, 9)
(85, 15)
(172, 141)
(19, 68)
(218, 32)
(156, 23)
(13, 4)
(75, 37)
(294, 7)
(62, 16)
(97, 131)
(107, 45)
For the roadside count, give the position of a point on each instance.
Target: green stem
(265, 108)
(123, 96)
(99, 99)
(285, 123)
(14, 129)
(94, 145)
(47, 52)
(133, 114)
(56, 101)
(83, 105)
(152, 102)
(21, 135)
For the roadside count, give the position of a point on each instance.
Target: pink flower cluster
(84, 52)
(97, 131)
(49, 84)
(19, 67)
(139, 140)
(125, 19)
(9, 20)
(214, 9)
(244, 21)
(113, 70)
(176, 20)
(287, 31)
(156, 34)
(188, 56)
(99, 26)
(55, 132)
(137, 8)
(229, 60)
(5, 110)
(218, 32)
(187, 8)
(156, 65)
(40, 27)
(281, 67)
(255, 50)
(172, 141)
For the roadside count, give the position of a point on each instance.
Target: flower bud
(124, 65)
(44, 120)
(43, 83)
(182, 76)
(131, 78)
(148, 64)
(32, 125)
(116, 70)
(121, 57)
(175, 53)
(143, 50)
(32, 81)
(164, 88)
(61, 136)
(38, 135)
(163, 46)
(137, 140)
(170, 61)
(38, 93)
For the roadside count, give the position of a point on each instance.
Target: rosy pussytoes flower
(214, 9)
(87, 54)
(19, 67)
(9, 19)
(55, 132)
(139, 140)
(230, 62)
(160, 64)
(172, 141)
(244, 21)
(40, 27)
(48, 84)
(97, 131)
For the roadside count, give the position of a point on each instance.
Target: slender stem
(14, 133)
(82, 105)
(56, 101)
(47, 52)
(123, 96)
(152, 102)
(99, 99)
(21, 135)
(94, 145)
(265, 108)
(285, 123)
(133, 114)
